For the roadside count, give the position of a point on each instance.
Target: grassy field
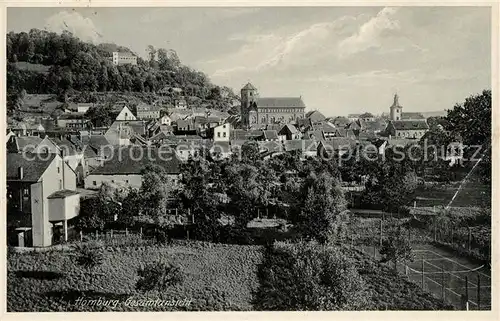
(217, 277)
(472, 194)
(22, 65)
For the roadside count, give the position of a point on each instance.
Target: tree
(155, 191)
(396, 247)
(199, 194)
(472, 121)
(158, 276)
(308, 276)
(89, 256)
(323, 209)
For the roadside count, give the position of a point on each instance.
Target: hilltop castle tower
(396, 109)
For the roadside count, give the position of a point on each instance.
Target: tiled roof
(315, 116)
(328, 128)
(290, 128)
(32, 169)
(412, 116)
(271, 146)
(410, 124)
(128, 160)
(366, 115)
(270, 134)
(98, 141)
(24, 143)
(62, 194)
(341, 121)
(249, 86)
(315, 134)
(278, 102)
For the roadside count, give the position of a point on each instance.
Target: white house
(83, 107)
(221, 132)
(125, 114)
(166, 120)
(32, 180)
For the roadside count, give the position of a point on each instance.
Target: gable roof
(315, 116)
(328, 128)
(24, 143)
(128, 160)
(410, 124)
(249, 86)
(341, 121)
(270, 134)
(288, 128)
(278, 102)
(32, 169)
(411, 116)
(315, 134)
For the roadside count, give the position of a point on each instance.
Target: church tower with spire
(396, 109)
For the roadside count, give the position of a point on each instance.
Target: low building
(123, 58)
(166, 120)
(125, 166)
(83, 107)
(290, 132)
(148, 112)
(76, 121)
(412, 129)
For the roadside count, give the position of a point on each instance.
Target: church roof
(410, 124)
(280, 102)
(249, 86)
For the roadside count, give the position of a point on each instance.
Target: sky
(340, 60)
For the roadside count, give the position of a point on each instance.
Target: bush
(161, 237)
(89, 255)
(158, 276)
(308, 276)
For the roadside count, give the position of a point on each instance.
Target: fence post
(380, 238)
(423, 285)
(442, 281)
(126, 231)
(469, 238)
(97, 235)
(478, 292)
(467, 292)
(435, 229)
(111, 233)
(81, 236)
(140, 232)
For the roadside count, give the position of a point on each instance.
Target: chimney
(20, 172)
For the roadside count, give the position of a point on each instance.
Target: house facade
(222, 133)
(148, 112)
(31, 180)
(125, 114)
(123, 58)
(75, 121)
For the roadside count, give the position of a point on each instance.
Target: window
(224, 134)
(58, 170)
(126, 181)
(218, 134)
(112, 181)
(94, 183)
(26, 192)
(224, 126)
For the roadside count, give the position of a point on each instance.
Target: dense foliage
(77, 65)
(306, 276)
(159, 276)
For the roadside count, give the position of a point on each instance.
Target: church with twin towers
(256, 110)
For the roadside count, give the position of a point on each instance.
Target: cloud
(75, 23)
(370, 33)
